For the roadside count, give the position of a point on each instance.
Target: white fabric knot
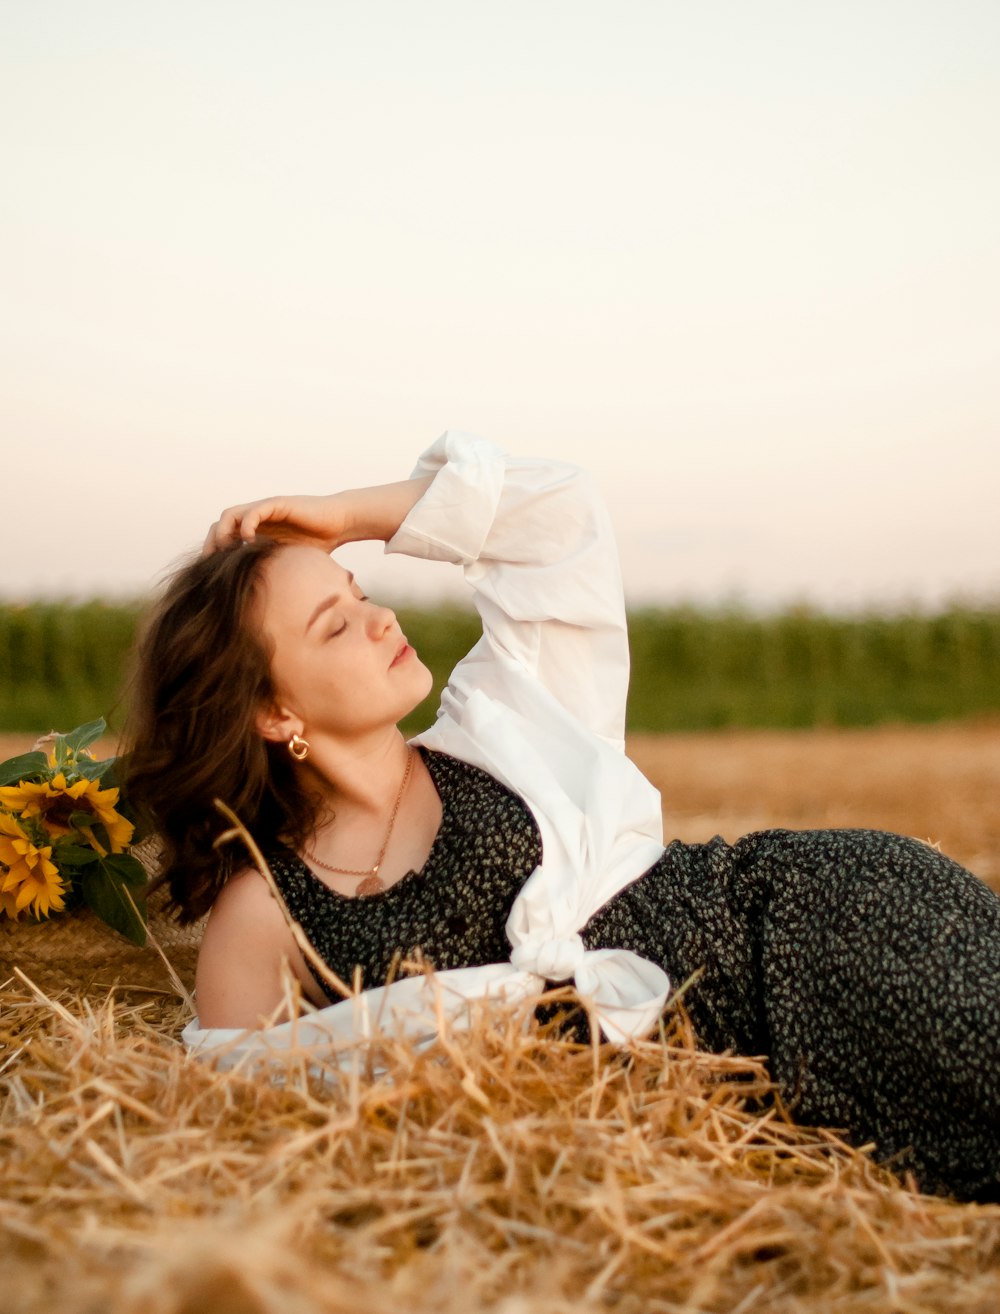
(553, 960)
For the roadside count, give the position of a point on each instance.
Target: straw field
(502, 1169)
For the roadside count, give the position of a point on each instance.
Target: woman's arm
(240, 974)
(538, 550)
(350, 516)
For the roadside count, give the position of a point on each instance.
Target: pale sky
(740, 259)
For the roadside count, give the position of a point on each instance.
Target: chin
(423, 683)
(412, 685)
(427, 683)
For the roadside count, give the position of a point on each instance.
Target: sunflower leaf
(74, 855)
(105, 887)
(129, 869)
(16, 769)
(90, 769)
(84, 735)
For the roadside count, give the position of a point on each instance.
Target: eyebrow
(331, 601)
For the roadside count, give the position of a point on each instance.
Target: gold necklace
(372, 883)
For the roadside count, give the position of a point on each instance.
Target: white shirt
(539, 703)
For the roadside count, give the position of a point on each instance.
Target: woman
(513, 843)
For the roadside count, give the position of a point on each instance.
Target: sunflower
(28, 876)
(54, 802)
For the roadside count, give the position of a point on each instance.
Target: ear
(277, 724)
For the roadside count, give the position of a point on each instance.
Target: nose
(381, 620)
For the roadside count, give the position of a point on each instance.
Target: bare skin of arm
(246, 942)
(328, 522)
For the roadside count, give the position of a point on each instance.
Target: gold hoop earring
(298, 747)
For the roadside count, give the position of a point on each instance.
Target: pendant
(370, 885)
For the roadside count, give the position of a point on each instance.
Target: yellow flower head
(53, 803)
(28, 876)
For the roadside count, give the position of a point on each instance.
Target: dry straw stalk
(501, 1169)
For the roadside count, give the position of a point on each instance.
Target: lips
(402, 654)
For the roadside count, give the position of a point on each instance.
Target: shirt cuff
(453, 518)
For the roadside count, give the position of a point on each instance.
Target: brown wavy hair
(201, 673)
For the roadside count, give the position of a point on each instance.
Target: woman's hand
(327, 522)
(303, 519)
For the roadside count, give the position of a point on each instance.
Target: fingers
(236, 524)
(289, 519)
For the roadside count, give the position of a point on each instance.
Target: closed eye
(361, 597)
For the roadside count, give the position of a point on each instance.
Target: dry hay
(504, 1169)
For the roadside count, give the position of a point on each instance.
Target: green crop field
(63, 663)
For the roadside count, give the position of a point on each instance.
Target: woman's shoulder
(245, 901)
(239, 978)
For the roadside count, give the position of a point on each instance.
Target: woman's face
(341, 664)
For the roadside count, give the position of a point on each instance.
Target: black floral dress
(865, 965)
